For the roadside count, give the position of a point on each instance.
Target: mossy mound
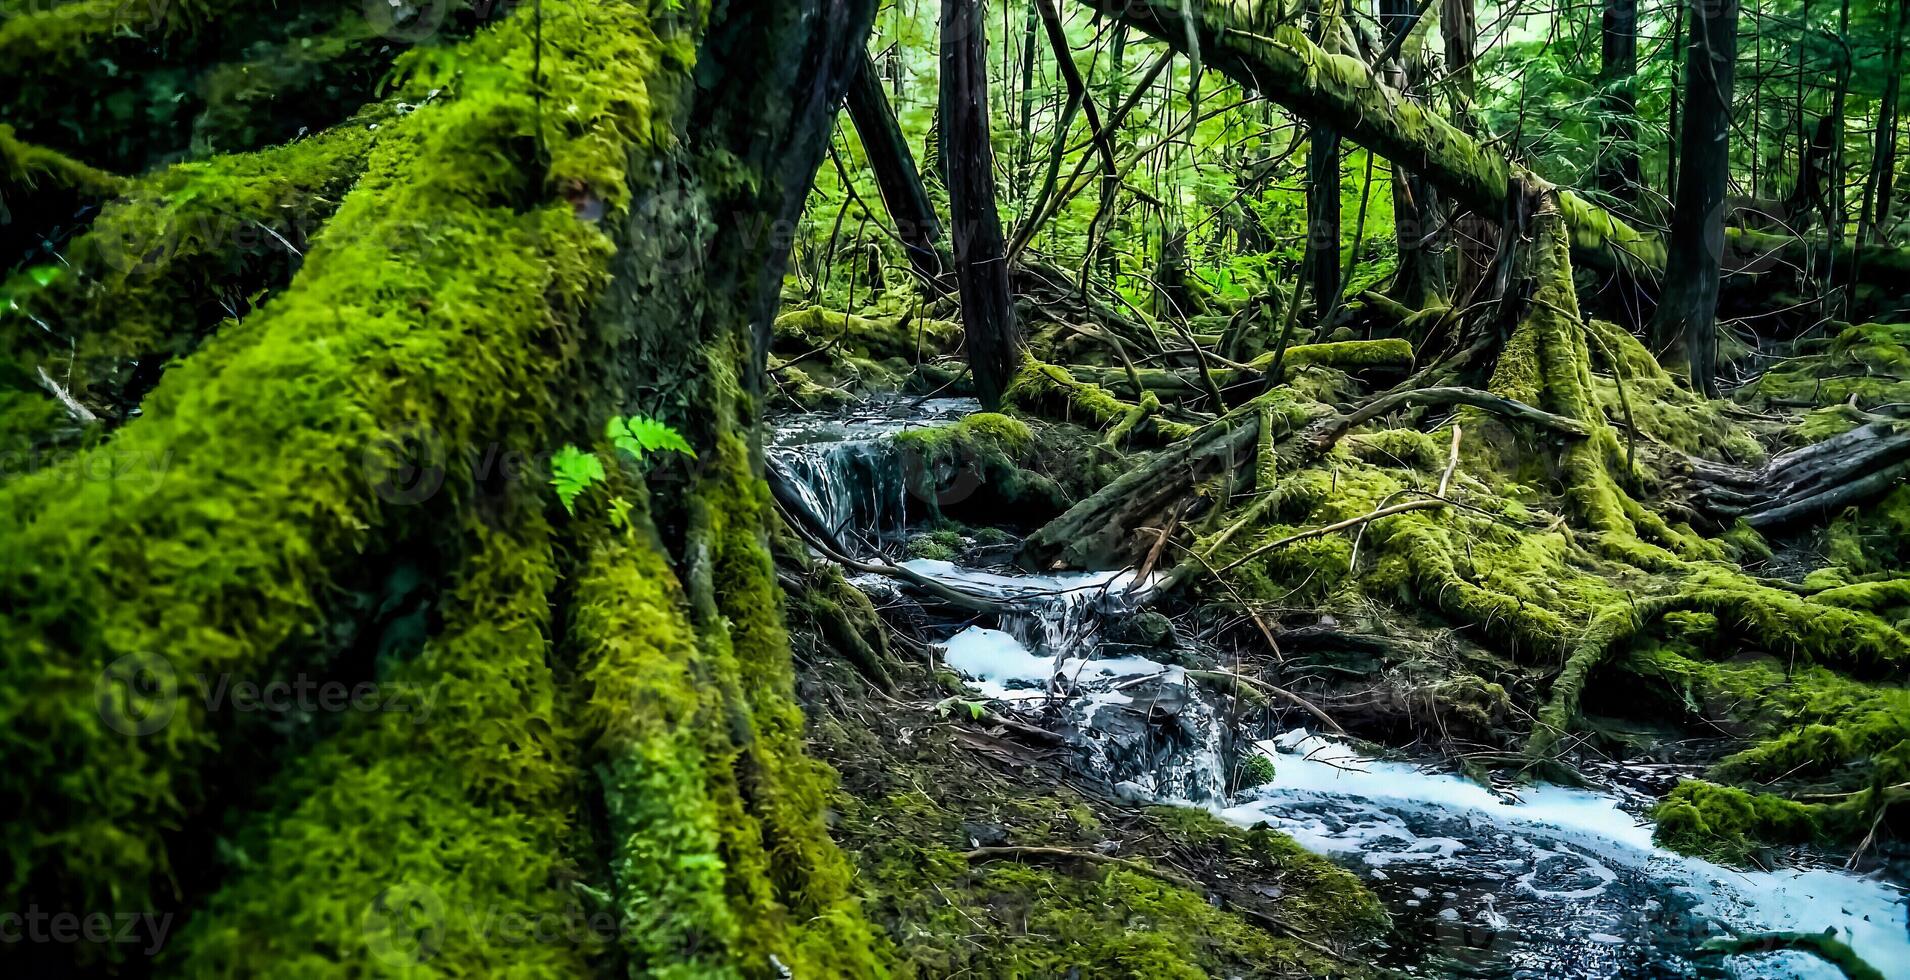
(1861, 366)
(823, 358)
(1182, 895)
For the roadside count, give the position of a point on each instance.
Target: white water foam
(1335, 800)
(1000, 666)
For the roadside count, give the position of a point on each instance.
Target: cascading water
(846, 468)
(1561, 883)
(1144, 727)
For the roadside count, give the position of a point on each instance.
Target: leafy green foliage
(640, 434)
(572, 471)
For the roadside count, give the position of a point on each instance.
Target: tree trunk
(1421, 277)
(1839, 207)
(1883, 159)
(1676, 56)
(584, 714)
(988, 308)
(897, 178)
(1323, 217)
(1687, 310)
(1617, 74)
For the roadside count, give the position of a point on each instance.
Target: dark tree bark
(1323, 216)
(1687, 312)
(1671, 104)
(1809, 197)
(1460, 26)
(981, 270)
(1838, 206)
(1883, 160)
(1421, 277)
(1617, 74)
(897, 178)
(1474, 237)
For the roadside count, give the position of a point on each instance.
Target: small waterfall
(1143, 726)
(847, 470)
(854, 489)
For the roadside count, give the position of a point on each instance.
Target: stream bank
(1526, 881)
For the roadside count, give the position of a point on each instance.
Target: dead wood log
(1814, 482)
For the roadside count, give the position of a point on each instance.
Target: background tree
(968, 160)
(1687, 310)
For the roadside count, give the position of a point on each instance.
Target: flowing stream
(1545, 882)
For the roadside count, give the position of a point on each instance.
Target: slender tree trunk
(1025, 136)
(1687, 312)
(1838, 205)
(1475, 238)
(1672, 103)
(1460, 26)
(981, 270)
(1323, 215)
(1617, 73)
(1420, 280)
(1883, 160)
(1111, 182)
(896, 177)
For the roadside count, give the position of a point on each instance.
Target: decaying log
(1814, 482)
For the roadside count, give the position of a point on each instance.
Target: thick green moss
(980, 464)
(1869, 362)
(919, 805)
(1346, 355)
(429, 837)
(801, 874)
(1049, 391)
(36, 168)
(183, 249)
(440, 303)
(1730, 825)
(1637, 393)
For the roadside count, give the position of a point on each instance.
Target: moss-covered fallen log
(1367, 358)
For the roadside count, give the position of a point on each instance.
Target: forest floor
(1747, 679)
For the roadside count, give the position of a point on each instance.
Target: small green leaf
(573, 470)
(640, 434)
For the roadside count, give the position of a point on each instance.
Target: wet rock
(984, 834)
(1143, 629)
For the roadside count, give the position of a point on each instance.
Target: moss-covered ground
(1161, 892)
